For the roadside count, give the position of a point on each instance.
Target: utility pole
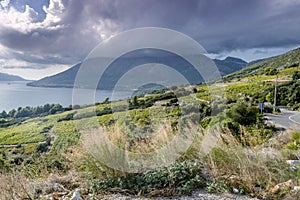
(275, 92)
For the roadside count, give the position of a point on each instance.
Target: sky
(40, 38)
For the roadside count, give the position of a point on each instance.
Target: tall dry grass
(115, 148)
(252, 170)
(15, 185)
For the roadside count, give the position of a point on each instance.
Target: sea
(15, 94)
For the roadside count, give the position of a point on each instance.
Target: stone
(58, 195)
(296, 188)
(293, 162)
(288, 185)
(235, 191)
(293, 169)
(76, 196)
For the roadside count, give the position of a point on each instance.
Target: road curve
(286, 119)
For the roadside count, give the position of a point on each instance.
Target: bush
(296, 75)
(270, 71)
(205, 122)
(3, 165)
(179, 178)
(243, 113)
(294, 144)
(105, 111)
(268, 109)
(43, 147)
(68, 117)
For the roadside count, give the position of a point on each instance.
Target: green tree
(23, 112)
(270, 71)
(270, 97)
(12, 113)
(296, 75)
(3, 114)
(55, 108)
(135, 101)
(106, 101)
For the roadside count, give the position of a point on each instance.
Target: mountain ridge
(10, 77)
(67, 77)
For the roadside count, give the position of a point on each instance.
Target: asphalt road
(286, 119)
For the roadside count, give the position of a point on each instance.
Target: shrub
(294, 144)
(43, 147)
(3, 165)
(68, 117)
(178, 178)
(205, 122)
(268, 109)
(296, 75)
(243, 113)
(270, 71)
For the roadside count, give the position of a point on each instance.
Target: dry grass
(16, 186)
(252, 170)
(114, 148)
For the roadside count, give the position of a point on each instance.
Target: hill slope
(8, 77)
(120, 66)
(63, 79)
(284, 61)
(230, 65)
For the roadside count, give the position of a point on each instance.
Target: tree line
(28, 111)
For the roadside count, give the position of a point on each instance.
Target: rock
(296, 188)
(58, 195)
(76, 196)
(58, 187)
(293, 162)
(235, 191)
(293, 169)
(288, 185)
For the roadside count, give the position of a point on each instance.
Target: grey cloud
(26, 67)
(218, 25)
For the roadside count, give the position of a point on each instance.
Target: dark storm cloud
(219, 25)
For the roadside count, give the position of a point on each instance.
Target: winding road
(286, 119)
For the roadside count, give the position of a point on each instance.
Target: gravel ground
(198, 195)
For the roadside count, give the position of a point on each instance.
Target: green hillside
(258, 80)
(290, 59)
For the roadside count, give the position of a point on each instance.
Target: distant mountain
(128, 62)
(8, 77)
(63, 79)
(286, 60)
(230, 65)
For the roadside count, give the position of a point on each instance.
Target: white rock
(293, 162)
(76, 196)
(296, 188)
(236, 191)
